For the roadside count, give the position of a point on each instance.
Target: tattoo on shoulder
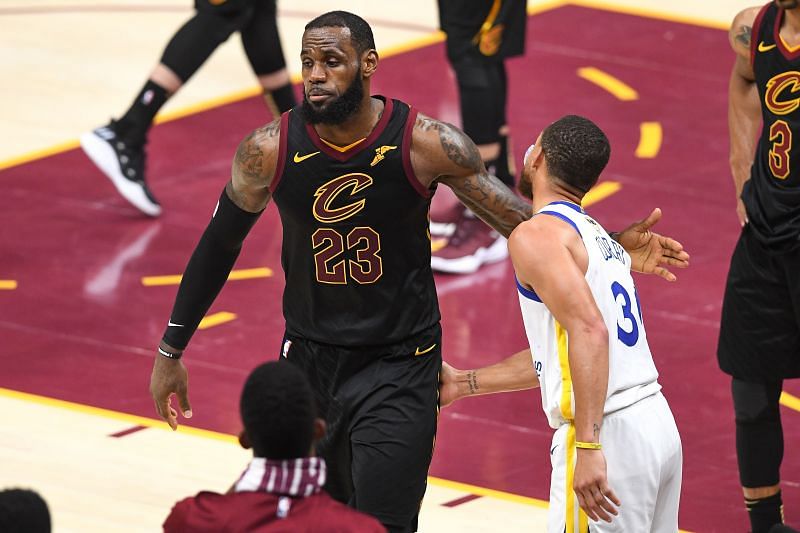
(458, 147)
(249, 155)
(744, 35)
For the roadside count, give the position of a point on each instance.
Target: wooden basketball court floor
(86, 283)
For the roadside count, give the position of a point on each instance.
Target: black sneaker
(123, 165)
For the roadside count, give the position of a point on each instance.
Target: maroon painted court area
(82, 327)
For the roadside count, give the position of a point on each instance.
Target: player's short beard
(338, 109)
(788, 4)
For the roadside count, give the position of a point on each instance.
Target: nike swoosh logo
(300, 158)
(426, 350)
(553, 449)
(173, 324)
(765, 47)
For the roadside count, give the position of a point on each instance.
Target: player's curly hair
(576, 151)
(360, 30)
(278, 412)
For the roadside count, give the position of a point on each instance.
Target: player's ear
(320, 428)
(369, 63)
(244, 440)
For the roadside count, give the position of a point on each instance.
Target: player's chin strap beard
(338, 109)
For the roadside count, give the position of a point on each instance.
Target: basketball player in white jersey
(616, 453)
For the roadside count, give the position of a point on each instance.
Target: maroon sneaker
(471, 245)
(444, 224)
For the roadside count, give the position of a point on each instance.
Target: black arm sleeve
(208, 269)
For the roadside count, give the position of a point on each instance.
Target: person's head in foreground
(567, 158)
(23, 511)
(278, 413)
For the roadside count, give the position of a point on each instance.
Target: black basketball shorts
(381, 407)
(759, 338)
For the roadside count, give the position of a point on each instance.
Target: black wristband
(169, 355)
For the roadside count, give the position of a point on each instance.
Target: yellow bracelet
(588, 445)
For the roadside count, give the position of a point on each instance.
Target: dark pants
(381, 406)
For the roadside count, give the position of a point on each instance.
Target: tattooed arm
(441, 152)
(253, 168)
(513, 373)
(744, 111)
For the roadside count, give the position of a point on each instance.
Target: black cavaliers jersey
(356, 250)
(772, 195)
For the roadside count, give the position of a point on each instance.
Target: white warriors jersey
(632, 374)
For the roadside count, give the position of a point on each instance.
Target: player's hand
(590, 484)
(741, 212)
(650, 252)
(448, 385)
(170, 377)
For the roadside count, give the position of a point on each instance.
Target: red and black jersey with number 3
(772, 195)
(356, 250)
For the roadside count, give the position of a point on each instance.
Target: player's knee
(197, 40)
(755, 403)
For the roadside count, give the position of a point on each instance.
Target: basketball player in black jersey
(352, 176)
(759, 343)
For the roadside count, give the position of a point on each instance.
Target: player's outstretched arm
(549, 257)
(744, 110)
(511, 374)
(652, 253)
(442, 152)
(239, 206)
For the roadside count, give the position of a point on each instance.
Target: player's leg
(118, 148)
(563, 502)
(759, 344)
(262, 44)
(470, 242)
(665, 514)
(393, 432)
(759, 449)
(629, 438)
(322, 366)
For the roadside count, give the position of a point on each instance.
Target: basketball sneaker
(444, 225)
(471, 245)
(123, 164)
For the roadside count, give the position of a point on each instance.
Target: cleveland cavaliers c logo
(327, 194)
(777, 86)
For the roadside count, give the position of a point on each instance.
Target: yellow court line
(208, 434)
(133, 420)
(8, 284)
(601, 191)
(792, 402)
(216, 319)
(542, 7)
(650, 136)
(39, 154)
(606, 81)
(244, 273)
